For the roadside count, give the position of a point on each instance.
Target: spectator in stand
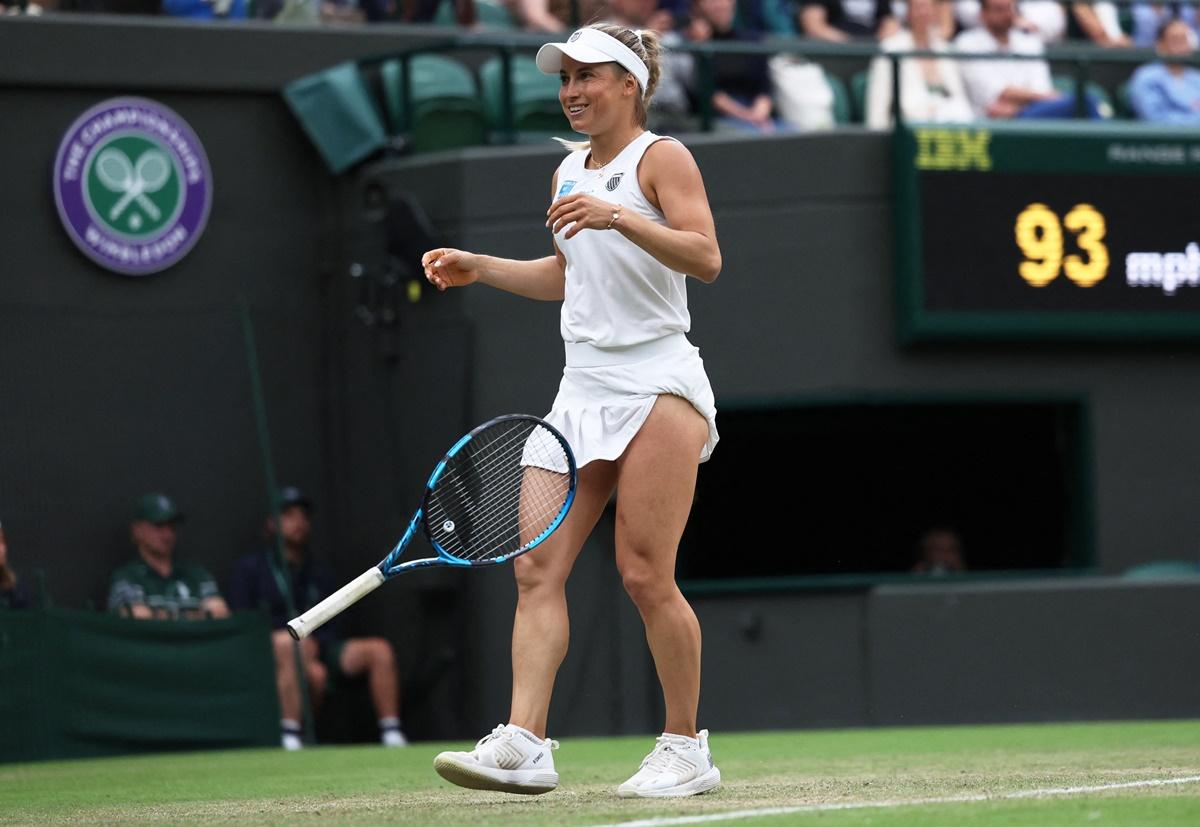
(1017, 88)
(1045, 18)
(939, 551)
(741, 94)
(257, 579)
(555, 15)
(1148, 18)
(931, 89)
(670, 106)
(156, 586)
(205, 9)
(840, 21)
(772, 17)
(1101, 24)
(1168, 92)
(14, 594)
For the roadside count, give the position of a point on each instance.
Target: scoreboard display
(1051, 230)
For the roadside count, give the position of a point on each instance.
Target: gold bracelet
(616, 215)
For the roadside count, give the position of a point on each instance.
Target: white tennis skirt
(607, 393)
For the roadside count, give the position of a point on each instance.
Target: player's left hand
(586, 211)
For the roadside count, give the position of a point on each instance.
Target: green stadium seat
(1066, 85)
(446, 111)
(841, 98)
(489, 13)
(858, 95)
(494, 15)
(444, 16)
(1124, 103)
(536, 107)
(337, 112)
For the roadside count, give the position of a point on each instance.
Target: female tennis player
(630, 221)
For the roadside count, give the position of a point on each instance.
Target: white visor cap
(592, 46)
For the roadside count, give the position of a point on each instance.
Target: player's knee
(644, 585)
(533, 574)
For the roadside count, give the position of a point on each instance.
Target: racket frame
(374, 577)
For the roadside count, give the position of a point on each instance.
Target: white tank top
(617, 294)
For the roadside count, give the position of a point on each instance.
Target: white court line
(864, 805)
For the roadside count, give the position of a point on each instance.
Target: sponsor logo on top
(132, 185)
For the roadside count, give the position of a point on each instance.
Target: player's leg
(374, 657)
(516, 757)
(657, 483)
(541, 628)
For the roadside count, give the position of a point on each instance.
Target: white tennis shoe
(677, 766)
(510, 760)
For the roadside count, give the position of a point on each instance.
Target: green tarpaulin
(75, 684)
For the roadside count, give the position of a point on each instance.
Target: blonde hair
(644, 43)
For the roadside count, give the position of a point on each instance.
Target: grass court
(1037, 775)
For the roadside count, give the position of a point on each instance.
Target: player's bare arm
(543, 279)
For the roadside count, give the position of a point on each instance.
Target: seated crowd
(763, 93)
(281, 578)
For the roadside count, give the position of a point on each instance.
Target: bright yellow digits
(1088, 224)
(1039, 235)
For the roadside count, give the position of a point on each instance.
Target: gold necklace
(599, 167)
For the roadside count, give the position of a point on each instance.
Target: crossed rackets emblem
(134, 182)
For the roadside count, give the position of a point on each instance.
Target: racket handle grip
(332, 606)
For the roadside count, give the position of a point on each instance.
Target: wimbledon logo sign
(132, 185)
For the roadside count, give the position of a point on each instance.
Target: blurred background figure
(155, 585)
(741, 96)
(1101, 23)
(931, 89)
(1018, 88)
(1046, 19)
(14, 593)
(1168, 92)
(1148, 20)
(257, 582)
(840, 21)
(939, 551)
(555, 15)
(206, 9)
(670, 107)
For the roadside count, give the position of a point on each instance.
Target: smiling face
(596, 96)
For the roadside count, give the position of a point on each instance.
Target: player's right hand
(447, 267)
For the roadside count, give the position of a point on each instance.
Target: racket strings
(501, 493)
(497, 506)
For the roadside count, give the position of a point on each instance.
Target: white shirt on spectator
(1110, 19)
(861, 12)
(986, 79)
(1048, 16)
(918, 101)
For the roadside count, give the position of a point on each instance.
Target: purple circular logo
(132, 185)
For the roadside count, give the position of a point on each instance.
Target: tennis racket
(498, 493)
